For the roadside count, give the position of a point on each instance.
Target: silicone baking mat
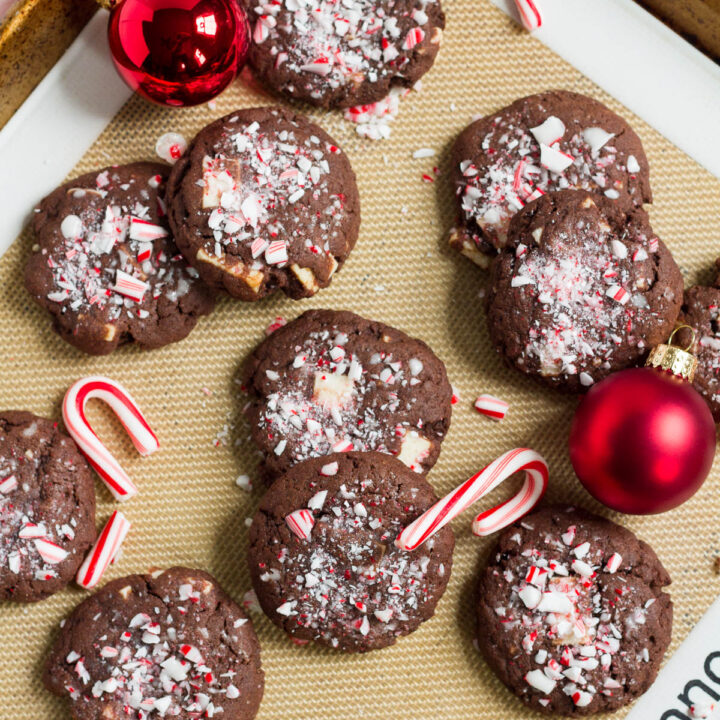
(190, 511)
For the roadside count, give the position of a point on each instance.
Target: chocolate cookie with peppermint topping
(343, 54)
(550, 141)
(105, 265)
(571, 612)
(47, 507)
(264, 200)
(332, 381)
(583, 288)
(166, 644)
(322, 556)
(701, 311)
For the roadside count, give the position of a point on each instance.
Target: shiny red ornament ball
(642, 441)
(178, 52)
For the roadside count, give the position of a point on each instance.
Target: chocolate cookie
(168, 644)
(47, 507)
(344, 583)
(343, 54)
(264, 199)
(550, 141)
(331, 381)
(572, 616)
(583, 288)
(701, 311)
(106, 267)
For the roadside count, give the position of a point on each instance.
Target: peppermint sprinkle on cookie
(585, 636)
(540, 143)
(335, 382)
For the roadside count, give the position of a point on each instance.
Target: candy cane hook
(480, 484)
(127, 411)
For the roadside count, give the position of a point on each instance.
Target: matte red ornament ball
(178, 52)
(642, 441)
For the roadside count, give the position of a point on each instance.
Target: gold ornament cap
(674, 359)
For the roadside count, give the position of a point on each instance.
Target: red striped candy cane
(480, 484)
(104, 550)
(127, 411)
(529, 14)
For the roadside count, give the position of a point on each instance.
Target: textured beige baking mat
(189, 509)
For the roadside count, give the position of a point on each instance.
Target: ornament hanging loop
(673, 359)
(691, 344)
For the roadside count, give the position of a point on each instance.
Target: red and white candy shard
(328, 470)
(549, 132)
(479, 485)
(129, 286)
(170, 147)
(577, 627)
(145, 230)
(555, 160)
(122, 404)
(301, 522)
(491, 406)
(50, 552)
(9, 484)
(104, 551)
(276, 324)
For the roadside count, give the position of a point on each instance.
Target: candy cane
(104, 551)
(529, 14)
(480, 484)
(129, 415)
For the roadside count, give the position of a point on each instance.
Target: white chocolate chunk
(333, 390)
(306, 277)
(414, 448)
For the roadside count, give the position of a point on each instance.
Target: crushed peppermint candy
(581, 627)
(35, 539)
(516, 164)
(269, 201)
(326, 398)
(162, 661)
(324, 47)
(113, 256)
(583, 288)
(347, 583)
(373, 120)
